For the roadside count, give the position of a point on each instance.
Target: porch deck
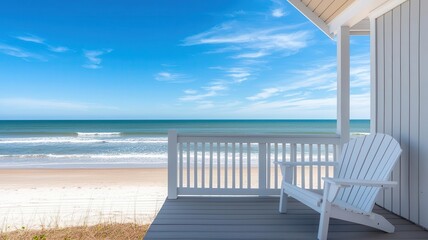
(258, 218)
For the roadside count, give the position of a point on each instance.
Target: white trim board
(311, 16)
(384, 8)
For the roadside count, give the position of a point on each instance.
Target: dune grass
(126, 231)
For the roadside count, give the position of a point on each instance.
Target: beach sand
(36, 198)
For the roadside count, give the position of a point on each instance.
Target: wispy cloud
(312, 90)
(31, 38)
(236, 74)
(58, 49)
(172, 77)
(19, 53)
(190, 91)
(265, 93)
(278, 10)
(48, 104)
(35, 39)
(93, 58)
(255, 42)
(211, 90)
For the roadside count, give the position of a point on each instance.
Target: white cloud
(58, 49)
(19, 53)
(31, 38)
(29, 104)
(190, 91)
(251, 55)
(258, 42)
(236, 74)
(265, 93)
(94, 58)
(39, 40)
(171, 77)
(210, 90)
(278, 12)
(195, 97)
(309, 93)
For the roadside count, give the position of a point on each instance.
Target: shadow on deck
(258, 218)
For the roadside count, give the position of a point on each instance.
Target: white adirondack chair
(363, 169)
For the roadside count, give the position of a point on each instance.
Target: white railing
(209, 164)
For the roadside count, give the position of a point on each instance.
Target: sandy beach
(35, 198)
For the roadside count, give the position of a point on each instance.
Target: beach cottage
(202, 166)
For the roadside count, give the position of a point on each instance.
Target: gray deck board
(258, 218)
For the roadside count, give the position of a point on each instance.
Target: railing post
(293, 158)
(172, 164)
(262, 168)
(343, 81)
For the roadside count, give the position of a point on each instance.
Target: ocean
(126, 143)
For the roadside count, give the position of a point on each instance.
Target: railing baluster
(233, 166)
(302, 168)
(311, 169)
(268, 165)
(203, 165)
(188, 165)
(211, 165)
(196, 173)
(284, 152)
(326, 160)
(276, 165)
(218, 165)
(334, 158)
(248, 165)
(195, 165)
(293, 149)
(262, 166)
(319, 166)
(241, 177)
(226, 153)
(180, 159)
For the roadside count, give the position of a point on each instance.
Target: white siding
(402, 104)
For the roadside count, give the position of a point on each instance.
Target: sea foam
(98, 134)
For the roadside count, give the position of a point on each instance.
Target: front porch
(258, 218)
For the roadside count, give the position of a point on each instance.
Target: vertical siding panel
(396, 100)
(414, 111)
(423, 128)
(405, 103)
(380, 126)
(388, 92)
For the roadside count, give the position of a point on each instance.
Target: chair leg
(324, 220)
(283, 202)
(379, 222)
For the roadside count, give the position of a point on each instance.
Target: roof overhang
(330, 15)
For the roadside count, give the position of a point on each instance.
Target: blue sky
(167, 59)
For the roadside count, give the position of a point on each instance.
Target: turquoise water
(126, 143)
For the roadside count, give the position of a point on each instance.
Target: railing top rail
(259, 138)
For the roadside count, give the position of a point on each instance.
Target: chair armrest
(340, 182)
(294, 164)
(332, 185)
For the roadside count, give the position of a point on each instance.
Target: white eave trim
(353, 14)
(361, 28)
(388, 6)
(311, 16)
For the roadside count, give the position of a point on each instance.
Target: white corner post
(172, 164)
(343, 81)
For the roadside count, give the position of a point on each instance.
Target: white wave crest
(77, 140)
(98, 134)
(91, 156)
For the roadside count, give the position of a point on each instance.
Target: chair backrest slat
(369, 157)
